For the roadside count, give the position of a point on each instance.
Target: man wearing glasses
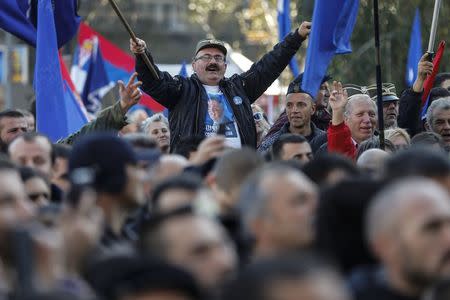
(187, 98)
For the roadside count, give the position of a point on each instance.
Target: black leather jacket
(186, 98)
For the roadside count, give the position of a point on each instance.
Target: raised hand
(138, 48)
(304, 29)
(129, 94)
(209, 148)
(424, 69)
(338, 100)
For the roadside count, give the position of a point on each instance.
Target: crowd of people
(217, 203)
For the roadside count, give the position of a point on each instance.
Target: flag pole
(376, 22)
(133, 37)
(433, 31)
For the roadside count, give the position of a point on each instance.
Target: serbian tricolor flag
(96, 53)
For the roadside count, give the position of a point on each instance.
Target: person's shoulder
(365, 284)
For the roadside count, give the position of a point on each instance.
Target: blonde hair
(390, 134)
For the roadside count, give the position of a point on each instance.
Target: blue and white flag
(89, 74)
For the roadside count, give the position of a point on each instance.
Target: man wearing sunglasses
(187, 98)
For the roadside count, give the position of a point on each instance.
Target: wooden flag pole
(127, 26)
(376, 22)
(433, 31)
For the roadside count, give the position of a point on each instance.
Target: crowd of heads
(131, 215)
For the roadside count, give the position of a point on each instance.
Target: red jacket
(340, 140)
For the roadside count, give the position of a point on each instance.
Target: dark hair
(126, 275)
(189, 182)
(31, 137)
(417, 161)
(188, 144)
(255, 280)
(11, 113)
(287, 138)
(437, 93)
(27, 173)
(32, 108)
(374, 142)
(6, 164)
(107, 155)
(340, 222)
(48, 295)
(427, 138)
(321, 165)
(62, 150)
(440, 78)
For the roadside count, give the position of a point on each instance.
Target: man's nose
(366, 118)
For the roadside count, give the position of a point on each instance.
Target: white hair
(155, 118)
(439, 104)
(356, 98)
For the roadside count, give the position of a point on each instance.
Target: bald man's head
(408, 227)
(385, 213)
(372, 160)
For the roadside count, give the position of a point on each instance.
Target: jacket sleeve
(166, 90)
(110, 119)
(409, 112)
(340, 140)
(264, 72)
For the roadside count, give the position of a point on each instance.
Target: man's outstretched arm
(111, 118)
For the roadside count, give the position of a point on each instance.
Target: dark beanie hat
(103, 152)
(296, 85)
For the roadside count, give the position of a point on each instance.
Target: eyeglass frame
(207, 58)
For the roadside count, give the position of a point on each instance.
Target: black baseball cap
(211, 43)
(296, 85)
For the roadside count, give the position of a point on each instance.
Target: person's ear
(313, 108)
(427, 126)
(193, 65)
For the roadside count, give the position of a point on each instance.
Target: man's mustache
(212, 67)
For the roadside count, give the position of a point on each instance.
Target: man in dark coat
(188, 99)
